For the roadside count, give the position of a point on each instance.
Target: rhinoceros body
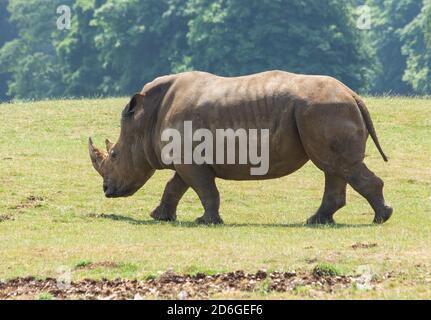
(313, 118)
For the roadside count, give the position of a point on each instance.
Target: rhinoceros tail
(370, 126)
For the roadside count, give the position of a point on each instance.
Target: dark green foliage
(315, 37)
(77, 53)
(115, 47)
(7, 33)
(31, 57)
(417, 49)
(389, 17)
(138, 41)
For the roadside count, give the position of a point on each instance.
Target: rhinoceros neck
(148, 140)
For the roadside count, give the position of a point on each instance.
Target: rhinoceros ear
(136, 102)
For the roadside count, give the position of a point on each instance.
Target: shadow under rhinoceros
(187, 224)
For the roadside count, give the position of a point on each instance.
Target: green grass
(263, 288)
(83, 263)
(45, 296)
(327, 269)
(54, 216)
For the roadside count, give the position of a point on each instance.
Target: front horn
(96, 155)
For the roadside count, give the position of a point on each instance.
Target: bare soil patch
(29, 202)
(170, 285)
(4, 217)
(94, 265)
(359, 245)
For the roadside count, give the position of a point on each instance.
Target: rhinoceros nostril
(105, 187)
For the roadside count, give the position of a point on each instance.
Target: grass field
(54, 216)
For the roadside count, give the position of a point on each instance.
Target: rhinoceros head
(123, 166)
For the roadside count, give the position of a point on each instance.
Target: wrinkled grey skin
(313, 118)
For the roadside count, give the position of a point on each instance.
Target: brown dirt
(94, 265)
(29, 202)
(4, 217)
(171, 285)
(359, 245)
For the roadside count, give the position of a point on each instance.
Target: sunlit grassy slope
(53, 214)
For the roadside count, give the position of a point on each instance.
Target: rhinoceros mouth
(115, 193)
(119, 194)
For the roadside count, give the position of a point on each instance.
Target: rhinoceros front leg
(167, 209)
(202, 180)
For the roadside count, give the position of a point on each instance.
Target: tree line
(114, 47)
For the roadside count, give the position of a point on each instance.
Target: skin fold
(313, 118)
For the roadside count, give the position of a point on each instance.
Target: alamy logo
(364, 20)
(63, 21)
(200, 147)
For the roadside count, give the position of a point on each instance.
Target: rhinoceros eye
(113, 154)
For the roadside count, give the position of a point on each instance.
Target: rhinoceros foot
(383, 215)
(320, 219)
(209, 219)
(163, 213)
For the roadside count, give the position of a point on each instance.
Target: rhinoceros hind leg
(365, 182)
(172, 195)
(334, 198)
